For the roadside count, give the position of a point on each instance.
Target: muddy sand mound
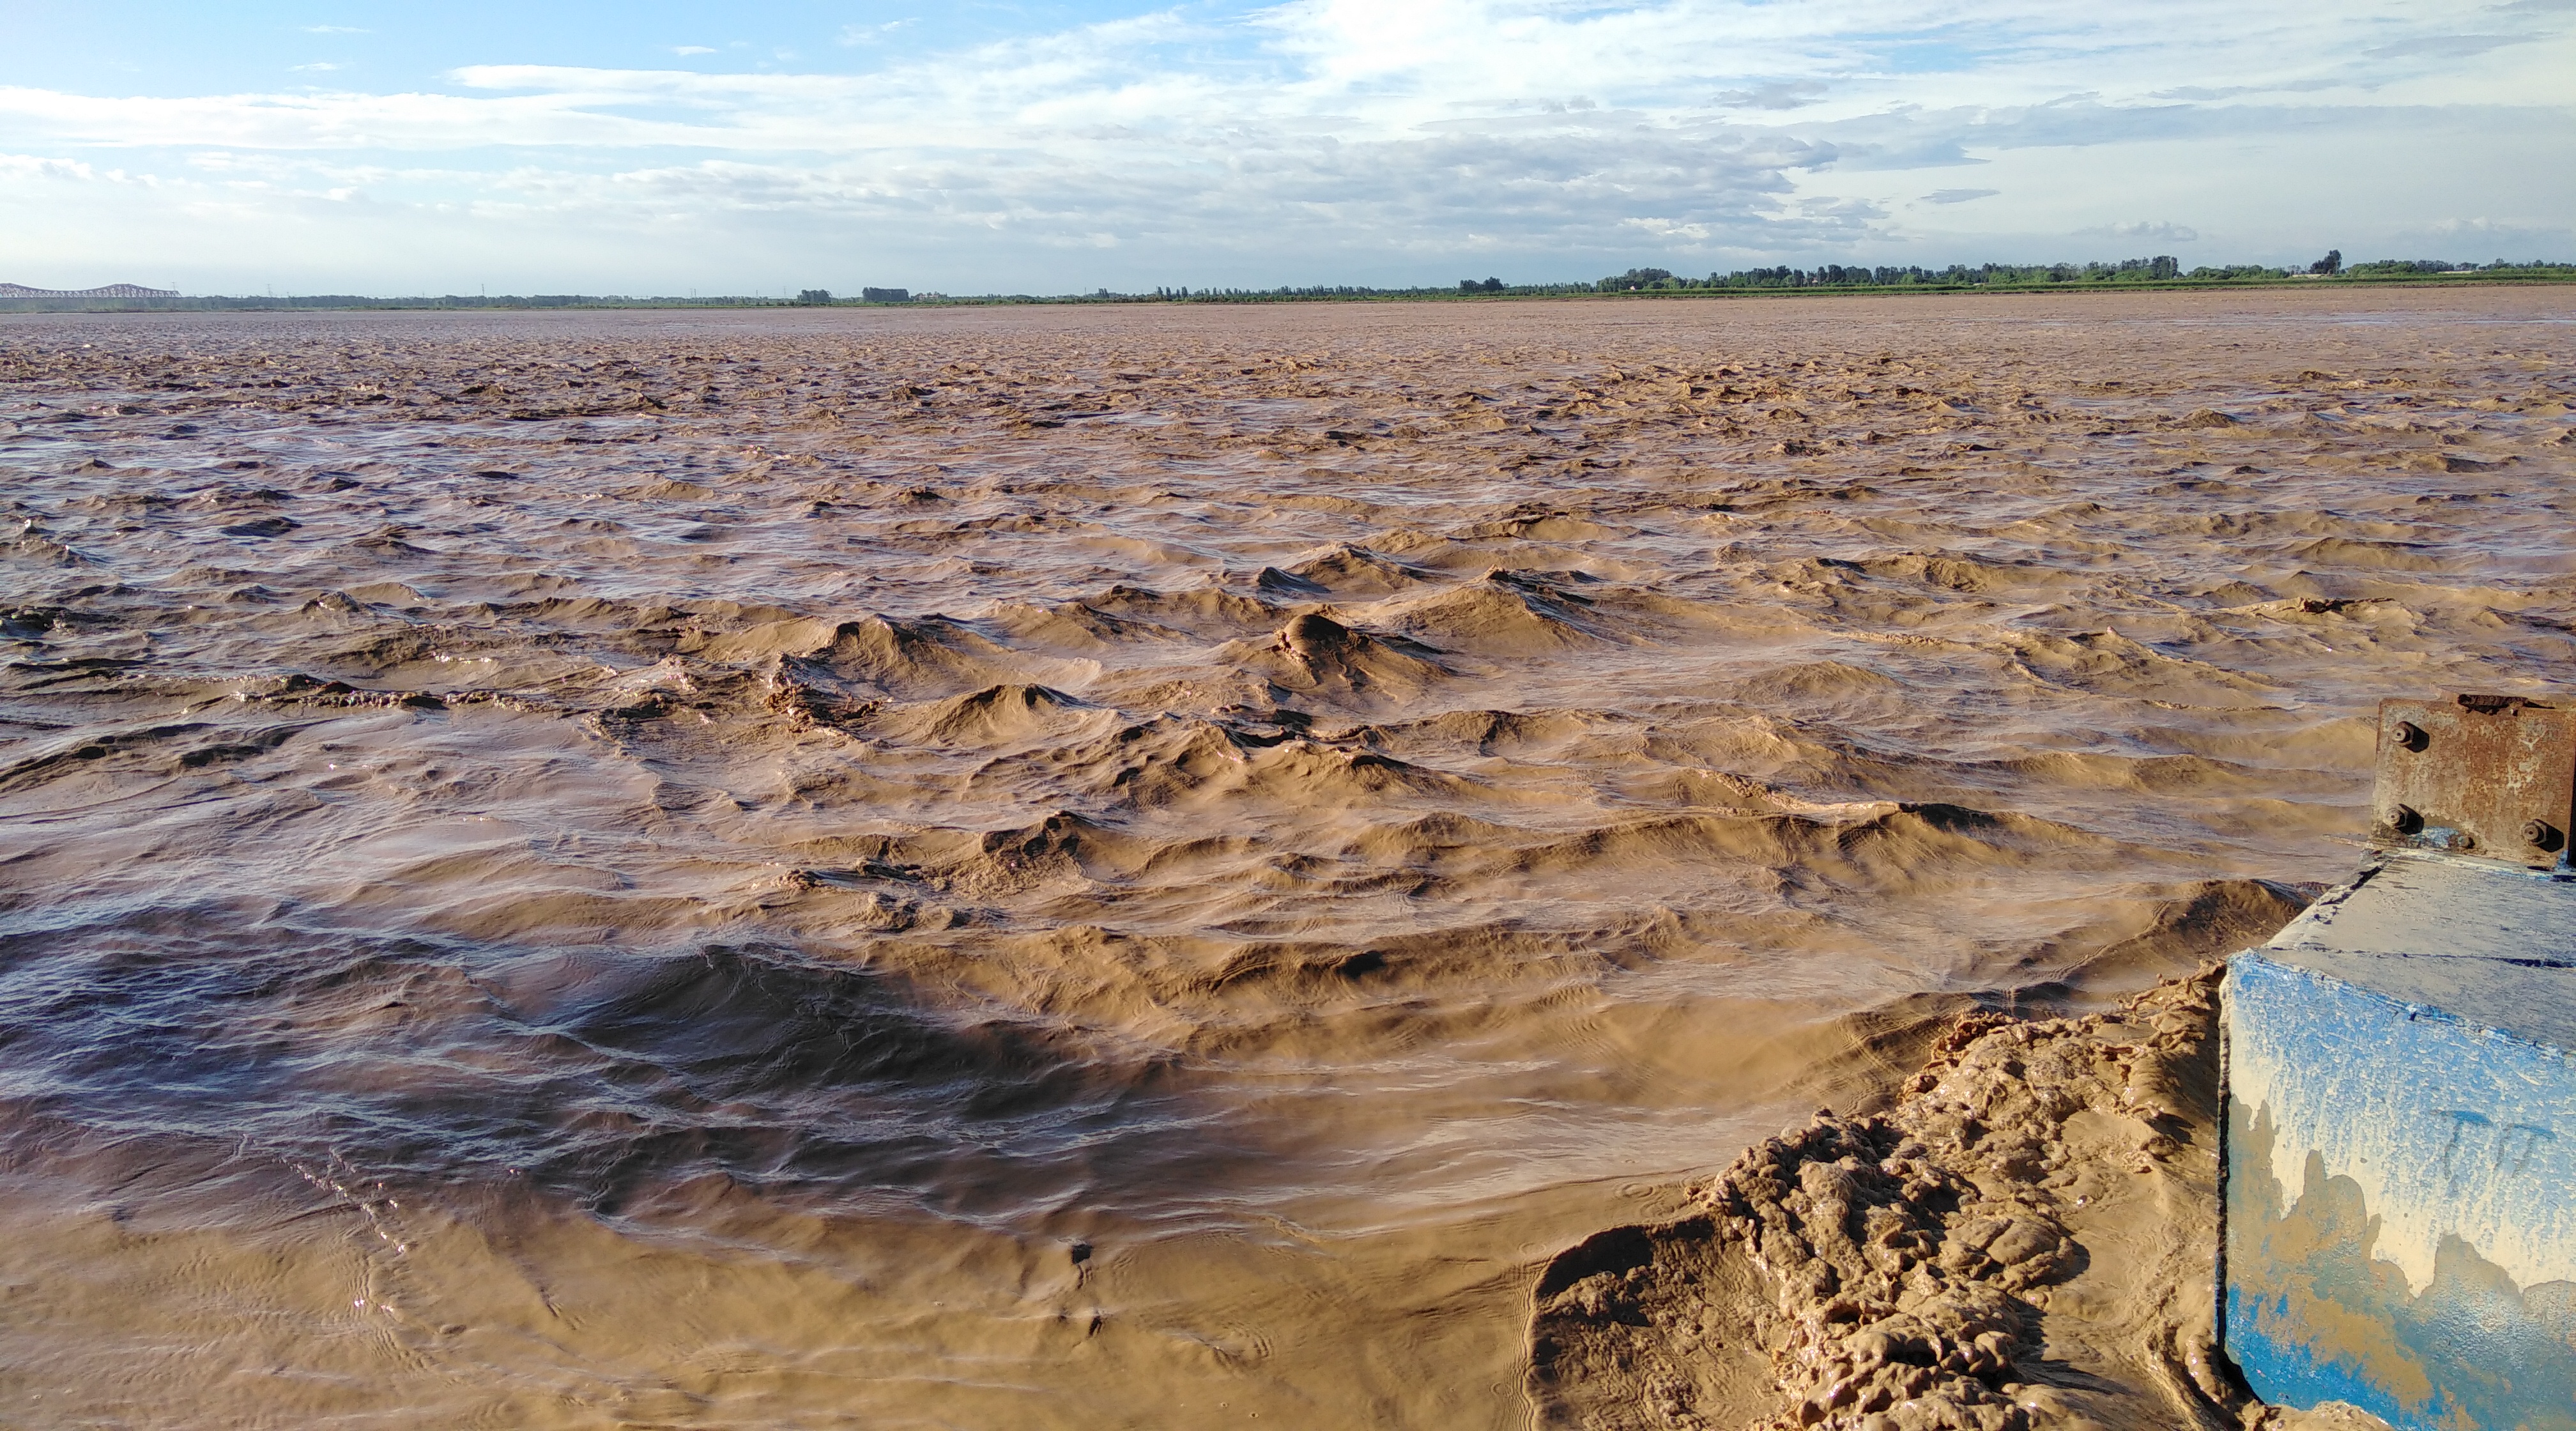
(2026, 1240)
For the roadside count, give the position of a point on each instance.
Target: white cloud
(2482, 238)
(2445, 47)
(1779, 94)
(1349, 138)
(2158, 231)
(871, 34)
(38, 166)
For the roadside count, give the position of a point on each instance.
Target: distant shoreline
(573, 302)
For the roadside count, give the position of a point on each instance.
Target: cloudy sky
(1063, 145)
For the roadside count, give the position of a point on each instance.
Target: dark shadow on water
(591, 1073)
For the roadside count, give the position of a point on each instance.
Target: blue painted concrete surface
(2401, 1183)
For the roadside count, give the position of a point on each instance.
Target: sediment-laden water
(1125, 866)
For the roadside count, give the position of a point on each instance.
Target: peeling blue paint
(2401, 1185)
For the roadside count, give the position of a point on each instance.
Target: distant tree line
(2409, 267)
(2163, 268)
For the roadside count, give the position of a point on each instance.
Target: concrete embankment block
(2401, 1142)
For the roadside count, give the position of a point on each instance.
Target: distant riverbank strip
(1829, 280)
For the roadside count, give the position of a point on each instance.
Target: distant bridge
(113, 290)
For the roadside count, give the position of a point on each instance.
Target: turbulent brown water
(1125, 866)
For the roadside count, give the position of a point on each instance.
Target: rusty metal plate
(2493, 777)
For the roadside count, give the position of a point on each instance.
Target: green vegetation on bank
(2160, 272)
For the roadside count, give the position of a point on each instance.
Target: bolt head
(2411, 736)
(2542, 835)
(2406, 820)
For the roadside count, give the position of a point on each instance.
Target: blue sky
(1044, 147)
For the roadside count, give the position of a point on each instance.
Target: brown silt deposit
(1160, 866)
(2025, 1241)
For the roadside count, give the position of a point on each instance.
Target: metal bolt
(2406, 820)
(2540, 834)
(2466, 841)
(2411, 735)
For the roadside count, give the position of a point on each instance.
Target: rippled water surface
(1124, 866)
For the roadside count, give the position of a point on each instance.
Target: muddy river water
(1126, 866)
